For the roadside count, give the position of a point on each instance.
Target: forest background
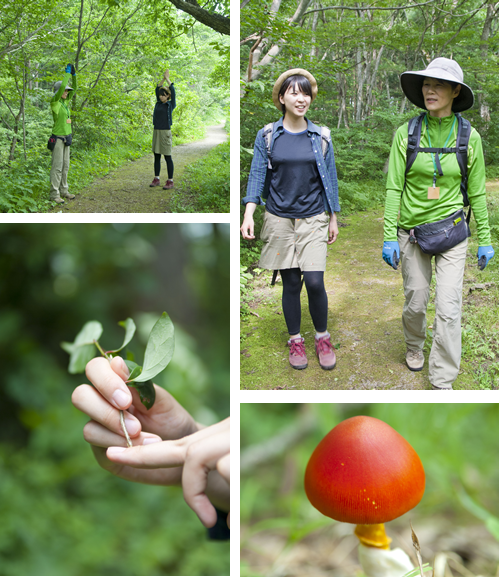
(357, 51)
(120, 50)
(61, 513)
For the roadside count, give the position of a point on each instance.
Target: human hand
(248, 227)
(391, 248)
(485, 253)
(333, 229)
(166, 74)
(200, 453)
(68, 69)
(166, 419)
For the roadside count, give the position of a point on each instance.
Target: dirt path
(127, 189)
(365, 304)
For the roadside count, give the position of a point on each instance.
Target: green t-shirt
(60, 107)
(415, 207)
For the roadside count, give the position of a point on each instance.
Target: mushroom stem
(373, 536)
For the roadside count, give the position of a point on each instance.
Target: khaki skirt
(162, 142)
(294, 243)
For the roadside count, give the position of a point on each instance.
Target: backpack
(461, 151)
(268, 131)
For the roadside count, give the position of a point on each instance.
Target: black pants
(317, 298)
(157, 165)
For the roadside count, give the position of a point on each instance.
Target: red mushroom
(364, 472)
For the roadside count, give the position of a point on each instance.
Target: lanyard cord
(444, 146)
(65, 107)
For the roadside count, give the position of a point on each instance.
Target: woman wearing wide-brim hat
(293, 173)
(431, 219)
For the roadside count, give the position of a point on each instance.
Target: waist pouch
(437, 237)
(68, 139)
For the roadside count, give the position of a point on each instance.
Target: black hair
(164, 92)
(298, 81)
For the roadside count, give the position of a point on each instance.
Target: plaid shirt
(326, 167)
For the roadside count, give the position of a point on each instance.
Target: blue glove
(68, 68)
(485, 253)
(391, 253)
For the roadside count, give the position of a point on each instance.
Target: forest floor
(126, 189)
(365, 304)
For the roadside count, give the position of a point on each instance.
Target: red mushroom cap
(364, 472)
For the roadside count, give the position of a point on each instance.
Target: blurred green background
(282, 534)
(60, 513)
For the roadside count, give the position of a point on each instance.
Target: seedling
(159, 352)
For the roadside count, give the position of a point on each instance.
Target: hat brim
(412, 86)
(287, 74)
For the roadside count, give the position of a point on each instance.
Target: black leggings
(157, 165)
(317, 298)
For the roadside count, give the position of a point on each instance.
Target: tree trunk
(212, 20)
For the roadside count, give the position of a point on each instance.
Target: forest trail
(365, 300)
(126, 189)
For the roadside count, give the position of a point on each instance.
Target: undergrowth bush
(205, 186)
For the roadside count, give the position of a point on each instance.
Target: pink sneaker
(155, 182)
(297, 356)
(169, 184)
(325, 352)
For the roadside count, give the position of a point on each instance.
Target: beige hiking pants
(445, 355)
(59, 171)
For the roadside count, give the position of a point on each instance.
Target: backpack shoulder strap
(326, 139)
(462, 141)
(268, 130)
(414, 138)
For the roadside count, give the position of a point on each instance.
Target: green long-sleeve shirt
(416, 208)
(60, 107)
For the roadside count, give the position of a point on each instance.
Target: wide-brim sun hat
(287, 74)
(442, 69)
(57, 85)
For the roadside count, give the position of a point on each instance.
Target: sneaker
(414, 359)
(155, 182)
(434, 388)
(325, 352)
(168, 184)
(69, 196)
(297, 356)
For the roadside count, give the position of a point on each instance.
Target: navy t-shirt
(296, 189)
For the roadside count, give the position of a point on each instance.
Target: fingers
(109, 379)
(91, 402)
(198, 453)
(223, 467)
(202, 457)
(247, 229)
(100, 436)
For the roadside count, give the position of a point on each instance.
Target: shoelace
(324, 345)
(297, 348)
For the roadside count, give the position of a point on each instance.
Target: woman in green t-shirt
(431, 202)
(61, 133)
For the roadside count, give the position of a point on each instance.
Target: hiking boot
(325, 352)
(297, 356)
(155, 182)
(434, 388)
(69, 196)
(59, 200)
(414, 359)
(168, 184)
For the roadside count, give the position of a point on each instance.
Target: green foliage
(205, 186)
(60, 275)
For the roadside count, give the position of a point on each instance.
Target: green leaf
(159, 350)
(82, 350)
(146, 390)
(490, 520)
(130, 328)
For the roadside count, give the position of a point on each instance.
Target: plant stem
(122, 421)
(101, 350)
